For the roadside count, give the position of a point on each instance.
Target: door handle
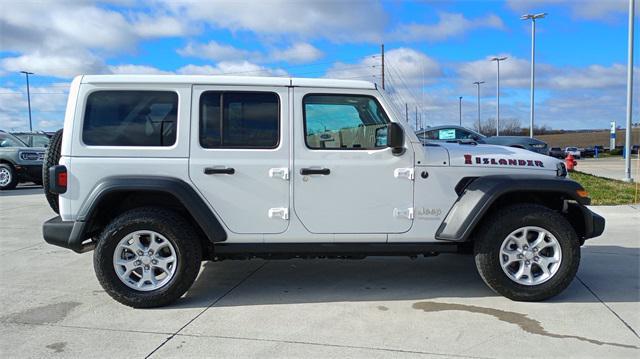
(219, 170)
(315, 171)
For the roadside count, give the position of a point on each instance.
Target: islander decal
(469, 160)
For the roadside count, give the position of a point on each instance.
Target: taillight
(58, 179)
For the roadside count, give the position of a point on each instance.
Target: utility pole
(478, 83)
(382, 67)
(28, 98)
(460, 109)
(533, 18)
(406, 111)
(497, 60)
(627, 137)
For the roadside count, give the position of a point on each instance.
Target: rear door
(240, 155)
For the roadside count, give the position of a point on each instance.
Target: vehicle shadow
(22, 190)
(610, 269)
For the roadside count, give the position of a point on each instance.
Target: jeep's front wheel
(147, 257)
(527, 252)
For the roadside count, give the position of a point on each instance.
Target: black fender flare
(188, 197)
(478, 196)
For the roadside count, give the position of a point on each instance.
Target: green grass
(605, 191)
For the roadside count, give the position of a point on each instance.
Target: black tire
(51, 158)
(175, 229)
(12, 181)
(503, 222)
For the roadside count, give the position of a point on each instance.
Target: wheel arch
(485, 195)
(114, 195)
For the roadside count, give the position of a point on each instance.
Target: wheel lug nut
(140, 252)
(146, 267)
(526, 247)
(520, 256)
(156, 262)
(136, 263)
(150, 251)
(536, 258)
(527, 262)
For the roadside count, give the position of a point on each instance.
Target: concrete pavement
(609, 167)
(52, 305)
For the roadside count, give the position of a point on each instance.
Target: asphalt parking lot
(52, 305)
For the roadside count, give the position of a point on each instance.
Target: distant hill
(588, 139)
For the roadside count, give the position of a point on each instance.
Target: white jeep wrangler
(157, 173)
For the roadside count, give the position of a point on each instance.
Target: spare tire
(51, 158)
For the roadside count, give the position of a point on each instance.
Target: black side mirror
(395, 138)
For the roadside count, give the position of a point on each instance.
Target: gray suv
(458, 133)
(19, 162)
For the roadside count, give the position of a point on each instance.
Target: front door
(240, 155)
(345, 178)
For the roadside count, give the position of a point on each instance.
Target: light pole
(28, 98)
(627, 137)
(533, 18)
(497, 60)
(478, 83)
(460, 109)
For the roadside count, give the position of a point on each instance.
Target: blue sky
(435, 50)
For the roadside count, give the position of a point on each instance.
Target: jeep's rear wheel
(51, 158)
(147, 257)
(527, 252)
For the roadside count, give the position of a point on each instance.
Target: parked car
(33, 139)
(158, 178)
(18, 162)
(452, 133)
(587, 152)
(556, 152)
(573, 151)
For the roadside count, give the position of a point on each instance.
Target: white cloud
(297, 53)
(334, 20)
(216, 51)
(242, 68)
(137, 69)
(63, 66)
(449, 25)
(63, 39)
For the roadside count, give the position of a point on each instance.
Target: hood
(494, 156)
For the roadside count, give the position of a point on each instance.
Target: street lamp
(478, 83)
(627, 137)
(460, 109)
(533, 18)
(497, 60)
(28, 98)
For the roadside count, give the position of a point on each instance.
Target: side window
(239, 119)
(353, 122)
(130, 118)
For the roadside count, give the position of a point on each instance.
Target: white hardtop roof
(227, 80)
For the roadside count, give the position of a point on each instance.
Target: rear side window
(239, 119)
(130, 118)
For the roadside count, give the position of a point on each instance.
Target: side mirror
(395, 138)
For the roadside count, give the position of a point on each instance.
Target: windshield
(7, 140)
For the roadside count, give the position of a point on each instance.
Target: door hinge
(407, 173)
(282, 172)
(279, 212)
(404, 212)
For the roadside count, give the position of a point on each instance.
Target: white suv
(157, 173)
